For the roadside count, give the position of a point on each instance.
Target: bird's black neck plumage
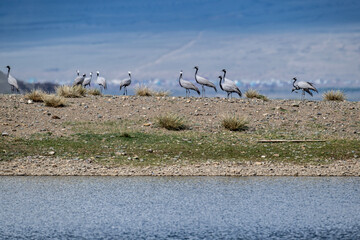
(196, 71)
(221, 83)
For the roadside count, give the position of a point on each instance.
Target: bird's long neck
(294, 83)
(180, 79)
(224, 76)
(196, 71)
(130, 75)
(8, 74)
(221, 84)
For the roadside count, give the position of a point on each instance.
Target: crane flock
(225, 84)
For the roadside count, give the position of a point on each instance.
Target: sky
(262, 43)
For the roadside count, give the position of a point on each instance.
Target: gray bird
(187, 85)
(125, 82)
(12, 81)
(304, 86)
(87, 80)
(203, 82)
(101, 81)
(79, 80)
(229, 86)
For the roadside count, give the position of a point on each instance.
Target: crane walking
(304, 86)
(187, 85)
(125, 82)
(203, 82)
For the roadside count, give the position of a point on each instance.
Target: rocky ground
(20, 118)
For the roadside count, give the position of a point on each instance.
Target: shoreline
(45, 166)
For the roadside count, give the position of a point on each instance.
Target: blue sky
(257, 41)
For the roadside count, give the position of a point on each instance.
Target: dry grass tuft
(35, 95)
(334, 96)
(233, 123)
(94, 92)
(71, 91)
(143, 91)
(252, 93)
(54, 101)
(171, 122)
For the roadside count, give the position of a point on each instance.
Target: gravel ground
(327, 120)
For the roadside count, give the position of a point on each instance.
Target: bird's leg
(303, 95)
(203, 91)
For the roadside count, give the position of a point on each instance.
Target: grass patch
(143, 91)
(71, 91)
(35, 95)
(180, 148)
(234, 123)
(94, 92)
(252, 93)
(171, 122)
(54, 101)
(334, 96)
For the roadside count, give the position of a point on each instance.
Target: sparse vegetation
(35, 95)
(143, 91)
(71, 91)
(94, 92)
(171, 122)
(234, 123)
(252, 93)
(334, 96)
(54, 101)
(147, 92)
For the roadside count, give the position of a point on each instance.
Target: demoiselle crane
(79, 80)
(203, 82)
(101, 81)
(187, 85)
(12, 81)
(87, 80)
(125, 82)
(304, 86)
(229, 86)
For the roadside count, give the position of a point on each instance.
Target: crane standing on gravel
(187, 85)
(12, 81)
(304, 86)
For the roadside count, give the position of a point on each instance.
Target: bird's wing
(87, 81)
(125, 82)
(12, 81)
(313, 87)
(189, 85)
(79, 80)
(205, 81)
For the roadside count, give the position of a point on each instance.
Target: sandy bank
(45, 166)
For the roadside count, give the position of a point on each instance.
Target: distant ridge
(25, 87)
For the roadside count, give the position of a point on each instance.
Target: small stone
(29, 101)
(55, 117)
(4, 134)
(52, 153)
(99, 116)
(295, 105)
(147, 124)
(263, 156)
(276, 155)
(150, 150)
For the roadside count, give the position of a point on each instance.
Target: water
(179, 208)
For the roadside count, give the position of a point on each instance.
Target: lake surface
(179, 208)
